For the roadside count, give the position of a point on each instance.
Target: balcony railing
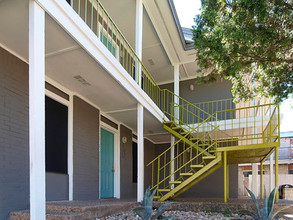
(99, 21)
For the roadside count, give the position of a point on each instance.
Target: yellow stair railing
(244, 128)
(187, 157)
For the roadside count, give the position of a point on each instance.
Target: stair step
(175, 182)
(164, 190)
(208, 157)
(186, 174)
(197, 166)
(157, 197)
(178, 129)
(170, 123)
(193, 139)
(184, 133)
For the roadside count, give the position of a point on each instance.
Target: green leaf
(271, 200)
(161, 209)
(277, 211)
(246, 212)
(255, 203)
(141, 211)
(264, 210)
(233, 39)
(147, 202)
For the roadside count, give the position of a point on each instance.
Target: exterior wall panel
(85, 150)
(203, 93)
(14, 133)
(54, 193)
(127, 186)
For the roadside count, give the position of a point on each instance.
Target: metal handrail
(267, 132)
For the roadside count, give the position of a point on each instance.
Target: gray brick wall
(85, 151)
(14, 133)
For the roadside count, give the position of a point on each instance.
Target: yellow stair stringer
(193, 179)
(190, 143)
(205, 175)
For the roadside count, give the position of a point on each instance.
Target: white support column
(172, 156)
(138, 39)
(140, 153)
(272, 179)
(254, 185)
(70, 147)
(37, 111)
(176, 90)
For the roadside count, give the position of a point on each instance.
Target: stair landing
(79, 210)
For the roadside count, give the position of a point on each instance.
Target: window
(134, 162)
(56, 132)
(111, 47)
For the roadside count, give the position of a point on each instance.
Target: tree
(246, 41)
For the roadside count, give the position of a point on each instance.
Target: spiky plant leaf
(147, 201)
(271, 200)
(279, 217)
(264, 210)
(141, 211)
(276, 211)
(161, 210)
(254, 202)
(246, 212)
(264, 213)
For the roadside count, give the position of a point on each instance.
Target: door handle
(113, 170)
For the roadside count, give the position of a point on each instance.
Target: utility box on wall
(288, 193)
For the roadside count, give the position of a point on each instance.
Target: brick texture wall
(14, 133)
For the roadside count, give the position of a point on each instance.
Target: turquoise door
(107, 164)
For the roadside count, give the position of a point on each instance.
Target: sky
(186, 11)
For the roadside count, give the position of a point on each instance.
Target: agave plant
(267, 212)
(146, 210)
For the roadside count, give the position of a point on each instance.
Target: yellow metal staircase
(207, 139)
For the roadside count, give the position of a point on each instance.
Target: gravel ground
(179, 215)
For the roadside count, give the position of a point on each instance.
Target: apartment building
(98, 100)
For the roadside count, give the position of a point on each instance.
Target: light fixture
(124, 140)
(191, 87)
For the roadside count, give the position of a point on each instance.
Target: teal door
(107, 164)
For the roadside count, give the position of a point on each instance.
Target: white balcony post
(254, 185)
(176, 91)
(172, 156)
(138, 39)
(140, 153)
(37, 111)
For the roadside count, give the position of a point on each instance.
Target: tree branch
(266, 60)
(287, 5)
